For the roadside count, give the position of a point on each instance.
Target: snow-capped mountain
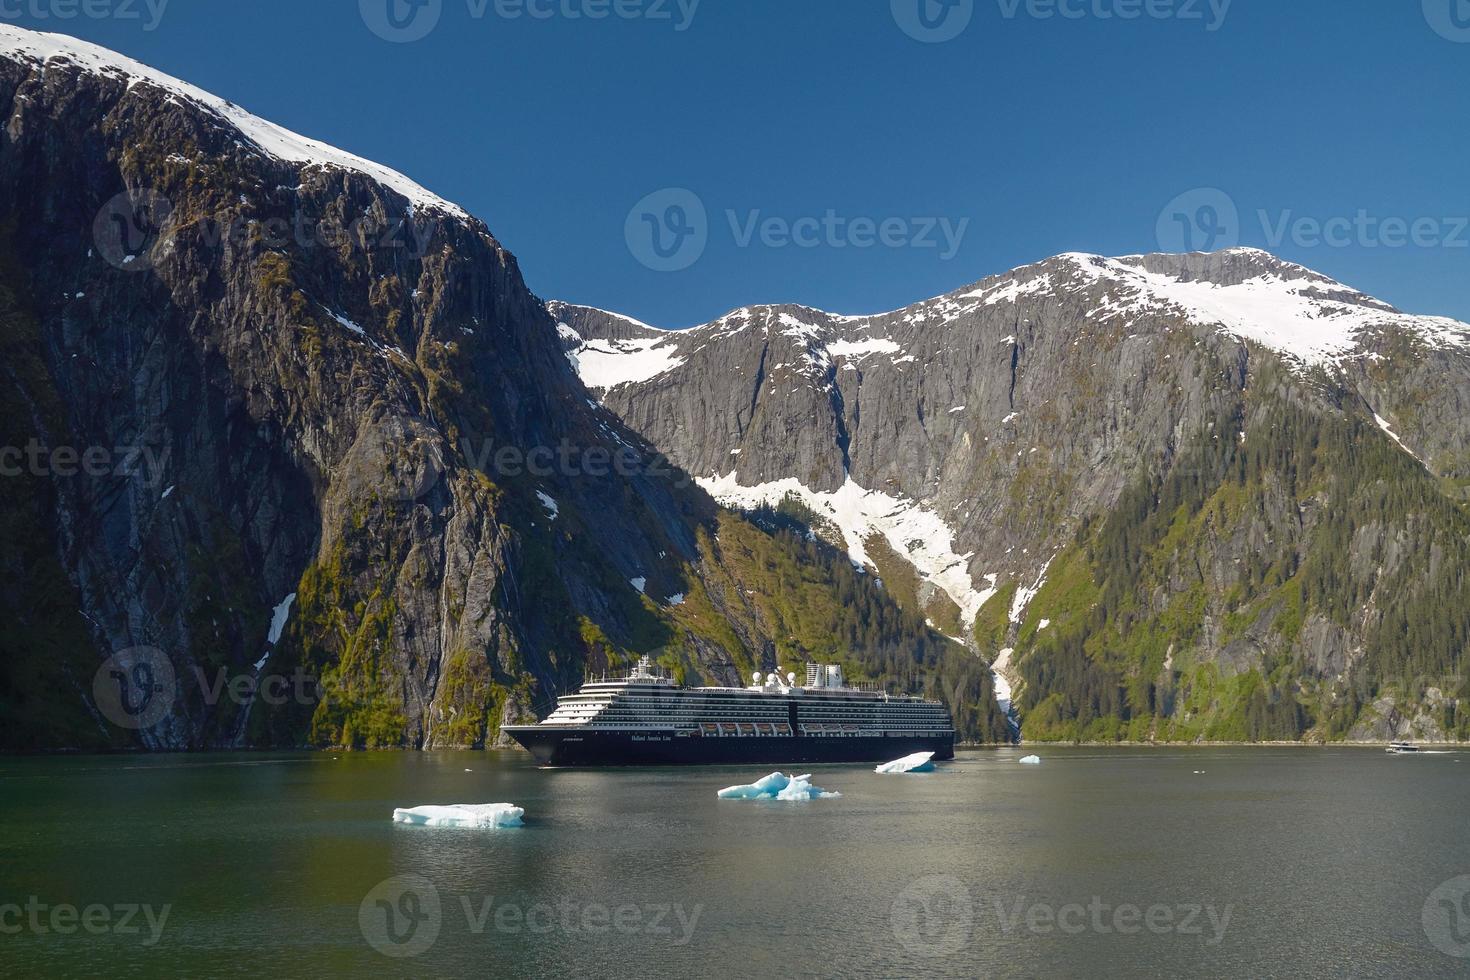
(370, 464)
(976, 435)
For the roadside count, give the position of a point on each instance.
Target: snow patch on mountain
(1310, 318)
(1003, 691)
(1024, 595)
(911, 530)
(350, 325)
(604, 364)
(1387, 427)
(272, 140)
(279, 616)
(1010, 290)
(861, 348)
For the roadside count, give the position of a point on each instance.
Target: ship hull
(569, 747)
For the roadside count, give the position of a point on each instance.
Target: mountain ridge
(1091, 373)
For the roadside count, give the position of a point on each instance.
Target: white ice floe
(547, 501)
(918, 762)
(677, 599)
(466, 815)
(1030, 760)
(640, 583)
(777, 786)
(23, 45)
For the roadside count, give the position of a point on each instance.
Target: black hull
(561, 747)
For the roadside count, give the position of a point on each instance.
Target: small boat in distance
(1400, 748)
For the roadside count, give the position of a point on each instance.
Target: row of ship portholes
(758, 730)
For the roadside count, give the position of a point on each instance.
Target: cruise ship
(647, 719)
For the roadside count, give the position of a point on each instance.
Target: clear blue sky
(1047, 134)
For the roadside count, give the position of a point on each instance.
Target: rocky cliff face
(272, 412)
(1172, 496)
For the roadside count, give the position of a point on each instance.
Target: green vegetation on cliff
(46, 660)
(812, 602)
(1192, 609)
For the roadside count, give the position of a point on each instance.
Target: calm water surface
(1268, 862)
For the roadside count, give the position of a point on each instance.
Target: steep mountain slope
(335, 441)
(1161, 491)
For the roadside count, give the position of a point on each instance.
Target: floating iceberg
(918, 762)
(471, 815)
(1030, 760)
(777, 786)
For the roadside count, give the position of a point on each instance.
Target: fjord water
(1250, 862)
